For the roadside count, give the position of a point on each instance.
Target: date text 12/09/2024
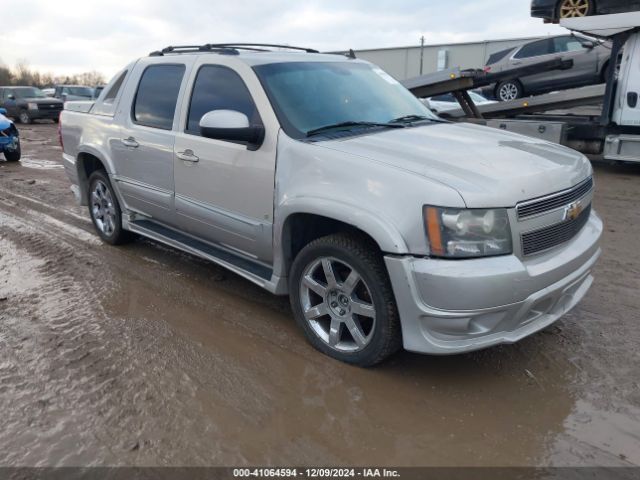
(315, 473)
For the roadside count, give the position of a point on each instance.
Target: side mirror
(231, 126)
(589, 45)
(11, 96)
(3, 111)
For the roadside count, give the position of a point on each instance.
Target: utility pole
(421, 53)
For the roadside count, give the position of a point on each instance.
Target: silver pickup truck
(321, 177)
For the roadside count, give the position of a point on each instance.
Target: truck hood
(488, 167)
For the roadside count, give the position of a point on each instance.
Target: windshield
(309, 96)
(80, 91)
(30, 92)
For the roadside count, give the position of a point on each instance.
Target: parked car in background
(97, 90)
(554, 10)
(590, 62)
(9, 138)
(322, 177)
(448, 102)
(49, 92)
(29, 103)
(73, 92)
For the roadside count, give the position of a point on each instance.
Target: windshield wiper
(410, 118)
(352, 124)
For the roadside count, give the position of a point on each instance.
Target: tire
(509, 90)
(105, 211)
(13, 156)
(575, 8)
(359, 300)
(24, 117)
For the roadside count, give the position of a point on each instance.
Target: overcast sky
(73, 36)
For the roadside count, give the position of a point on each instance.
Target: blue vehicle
(9, 138)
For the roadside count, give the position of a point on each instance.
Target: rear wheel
(13, 156)
(105, 210)
(509, 90)
(575, 8)
(342, 299)
(24, 117)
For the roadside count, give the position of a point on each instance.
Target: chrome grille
(549, 237)
(552, 202)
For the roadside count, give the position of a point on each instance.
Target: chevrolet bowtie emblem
(573, 210)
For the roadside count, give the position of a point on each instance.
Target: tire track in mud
(64, 370)
(76, 368)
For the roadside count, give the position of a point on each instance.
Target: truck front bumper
(456, 306)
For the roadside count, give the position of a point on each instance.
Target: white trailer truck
(611, 130)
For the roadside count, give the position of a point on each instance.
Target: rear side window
(157, 96)
(496, 57)
(113, 91)
(535, 49)
(219, 88)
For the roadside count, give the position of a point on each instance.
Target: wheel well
(87, 164)
(300, 229)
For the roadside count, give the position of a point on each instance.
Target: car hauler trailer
(602, 120)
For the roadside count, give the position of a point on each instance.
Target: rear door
(143, 146)
(10, 104)
(532, 54)
(224, 190)
(585, 61)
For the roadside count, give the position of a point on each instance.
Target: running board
(249, 269)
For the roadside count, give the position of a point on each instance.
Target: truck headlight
(458, 233)
(32, 106)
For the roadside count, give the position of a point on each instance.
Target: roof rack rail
(193, 49)
(251, 46)
(226, 48)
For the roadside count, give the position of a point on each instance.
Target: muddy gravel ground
(142, 355)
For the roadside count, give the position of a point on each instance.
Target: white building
(404, 62)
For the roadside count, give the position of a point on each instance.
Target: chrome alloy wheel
(574, 8)
(508, 91)
(102, 208)
(338, 305)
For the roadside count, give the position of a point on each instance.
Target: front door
(585, 61)
(225, 190)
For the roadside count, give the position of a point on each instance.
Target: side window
(157, 96)
(567, 44)
(219, 88)
(535, 49)
(113, 91)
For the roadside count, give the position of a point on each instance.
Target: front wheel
(24, 117)
(105, 210)
(13, 156)
(342, 299)
(509, 90)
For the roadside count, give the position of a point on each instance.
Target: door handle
(187, 156)
(632, 99)
(130, 142)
